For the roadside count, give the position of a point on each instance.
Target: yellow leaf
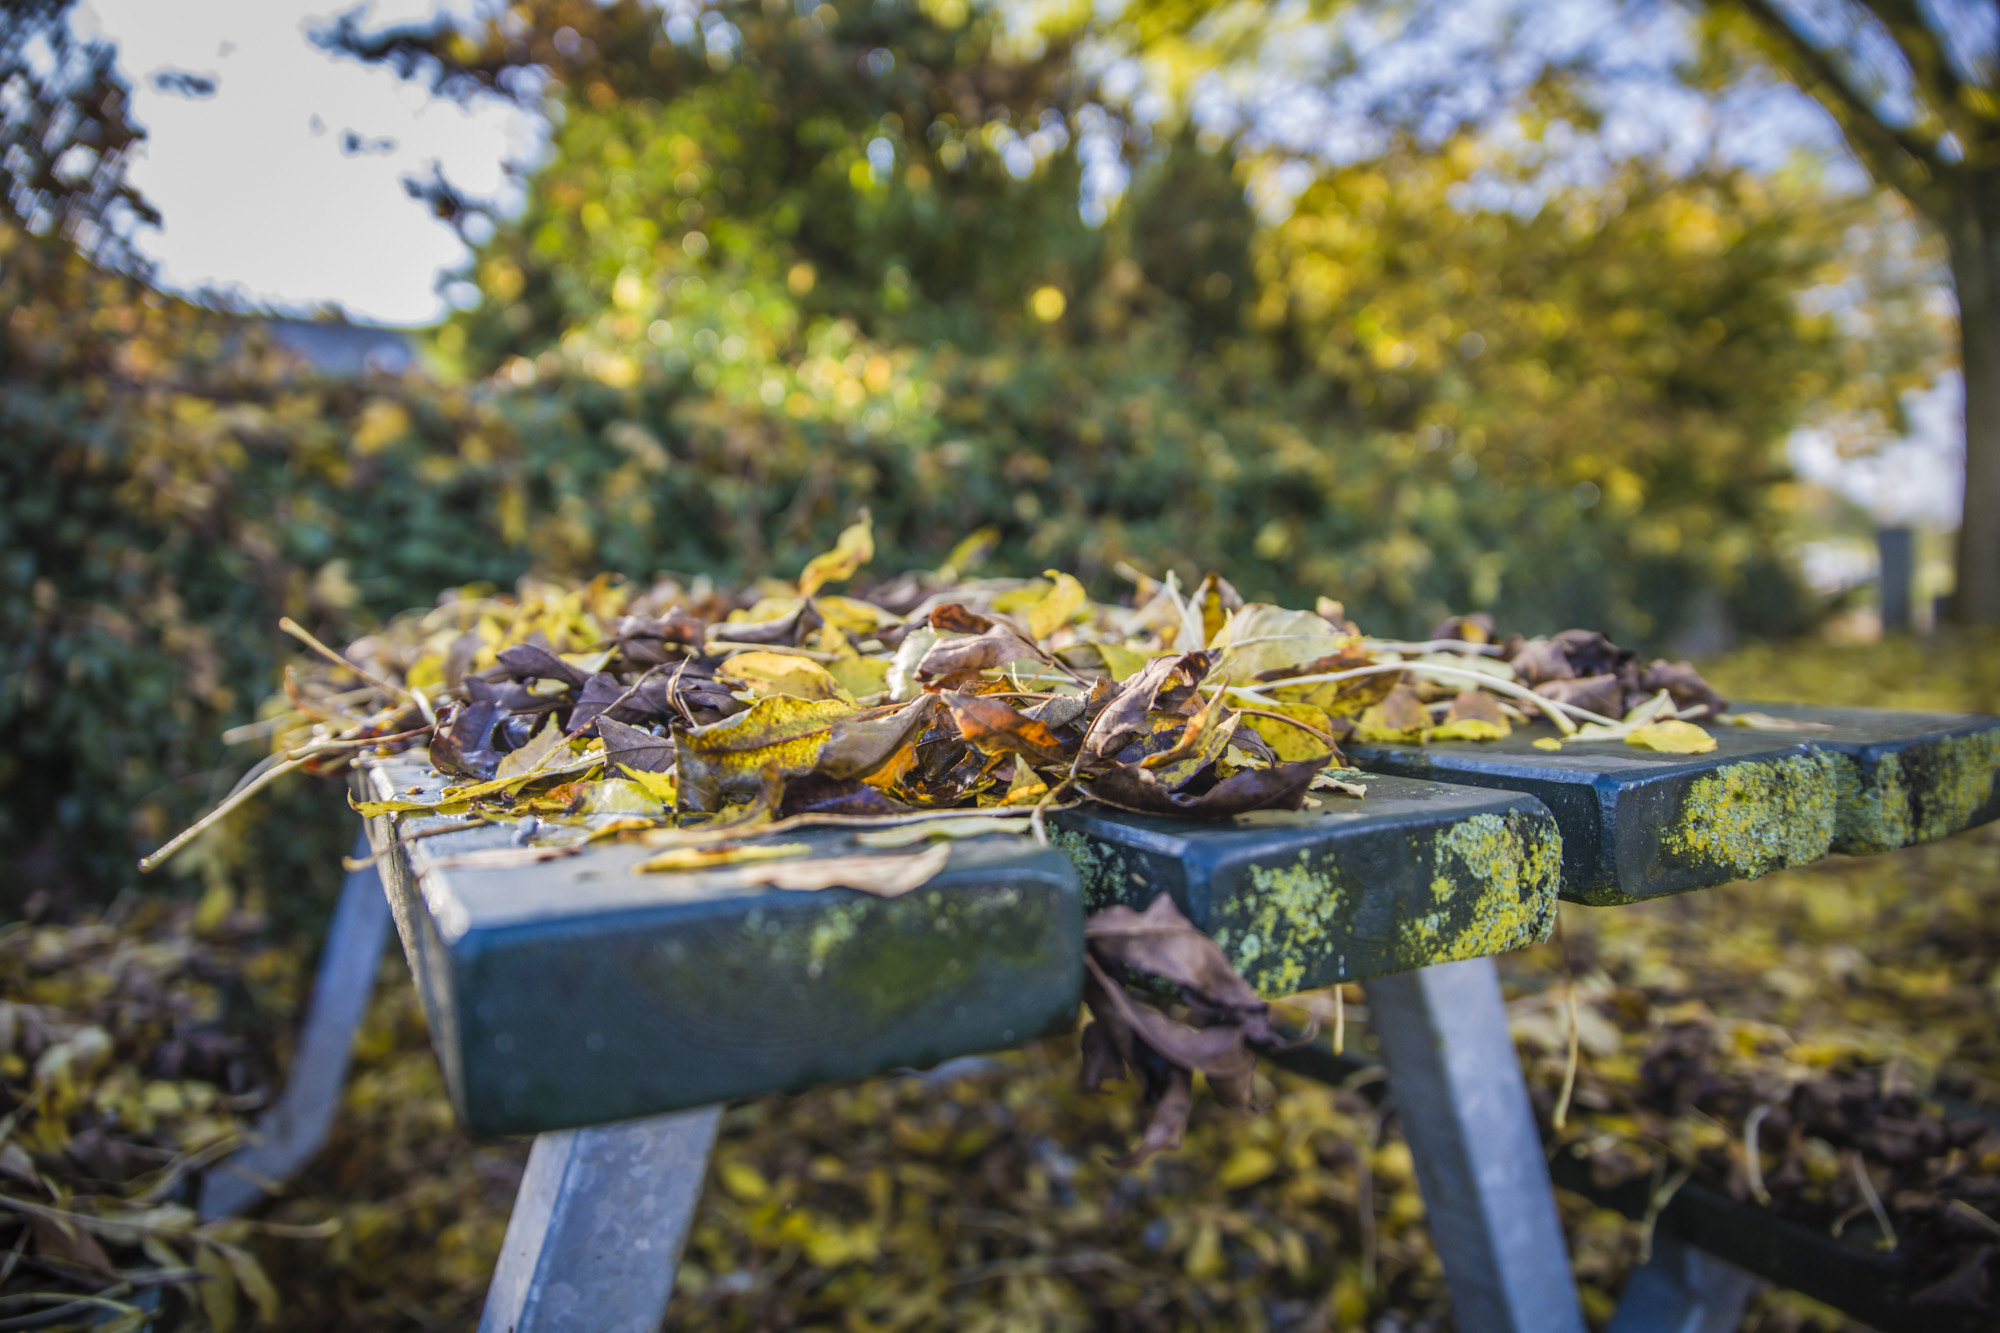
(1672, 737)
(854, 548)
(791, 736)
(1286, 741)
(1204, 1258)
(856, 618)
(887, 876)
(660, 786)
(743, 1181)
(1547, 743)
(1398, 717)
(535, 756)
(969, 826)
(766, 674)
(969, 553)
(1246, 1166)
(370, 809)
(1121, 662)
(1469, 729)
(218, 1291)
(1260, 637)
(765, 610)
(256, 1285)
(860, 676)
(217, 902)
(709, 858)
(1056, 607)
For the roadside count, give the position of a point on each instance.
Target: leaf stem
(230, 802)
(305, 636)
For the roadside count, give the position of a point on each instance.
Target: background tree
(1913, 88)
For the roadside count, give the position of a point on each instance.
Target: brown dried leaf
(463, 743)
(527, 661)
(996, 728)
(635, 749)
(1684, 685)
(962, 656)
(1163, 679)
(1279, 787)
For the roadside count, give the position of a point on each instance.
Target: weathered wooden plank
(572, 992)
(1417, 873)
(1904, 777)
(1639, 824)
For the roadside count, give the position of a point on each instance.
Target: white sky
(257, 192)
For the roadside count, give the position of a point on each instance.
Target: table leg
(598, 1226)
(1681, 1289)
(297, 1126)
(1465, 1113)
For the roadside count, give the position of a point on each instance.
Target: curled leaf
(994, 726)
(724, 854)
(854, 548)
(938, 830)
(766, 673)
(630, 748)
(1056, 607)
(888, 876)
(1672, 737)
(1279, 787)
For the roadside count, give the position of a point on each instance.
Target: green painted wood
(1904, 777)
(572, 992)
(1638, 824)
(1414, 874)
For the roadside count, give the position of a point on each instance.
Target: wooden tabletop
(573, 991)
(1639, 824)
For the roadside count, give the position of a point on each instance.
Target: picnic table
(612, 1015)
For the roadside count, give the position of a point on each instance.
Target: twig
(1656, 1205)
(229, 803)
(1340, 1018)
(700, 836)
(1561, 1116)
(305, 636)
(1431, 646)
(1753, 1156)
(351, 863)
(1555, 709)
(1854, 1164)
(1974, 1215)
(1325, 738)
(576, 729)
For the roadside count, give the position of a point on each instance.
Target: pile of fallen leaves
(703, 724)
(691, 718)
(126, 1069)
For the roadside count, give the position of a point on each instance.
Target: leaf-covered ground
(982, 1196)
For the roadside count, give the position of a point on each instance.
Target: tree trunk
(1973, 230)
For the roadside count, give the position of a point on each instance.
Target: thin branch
(1897, 158)
(1929, 61)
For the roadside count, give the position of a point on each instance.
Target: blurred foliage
(778, 265)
